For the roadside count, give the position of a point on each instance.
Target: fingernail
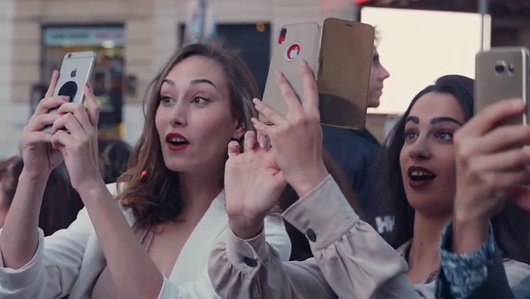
(302, 62)
(249, 142)
(256, 101)
(65, 98)
(263, 141)
(518, 103)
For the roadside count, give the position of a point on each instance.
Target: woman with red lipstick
(420, 170)
(155, 239)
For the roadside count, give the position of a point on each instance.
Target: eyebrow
(193, 82)
(445, 119)
(413, 119)
(434, 121)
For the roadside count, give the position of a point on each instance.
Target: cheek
(160, 121)
(448, 165)
(215, 128)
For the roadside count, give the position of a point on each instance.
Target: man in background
(356, 151)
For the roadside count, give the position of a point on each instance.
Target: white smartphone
(76, 70)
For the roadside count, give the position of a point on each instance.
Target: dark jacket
(356, 153)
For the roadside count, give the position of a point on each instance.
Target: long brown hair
(149, 188)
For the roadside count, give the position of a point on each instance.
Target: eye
(165, 99)
(444, 135)
(200, 100)
(410, 134)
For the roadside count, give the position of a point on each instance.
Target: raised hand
(491, 165)
(296, 137)
(40, 158)
(253, 183)
(78, 143)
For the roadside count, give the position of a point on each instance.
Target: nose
(419, 150)
(383, 73)
(179, 114)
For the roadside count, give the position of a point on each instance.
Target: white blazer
(69, 261)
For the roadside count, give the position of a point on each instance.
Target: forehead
(195, 67)
(433, 104)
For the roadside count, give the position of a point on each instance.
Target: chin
(179, 165)
(433, 206)
(373, 104)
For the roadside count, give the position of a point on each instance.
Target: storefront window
(108, 75)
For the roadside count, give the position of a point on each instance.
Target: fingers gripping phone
(76, 70)
(502, 73)
(340, 54)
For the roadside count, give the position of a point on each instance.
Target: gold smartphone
(340, 54)
(502, 73)
(346, 53)
(294, 42)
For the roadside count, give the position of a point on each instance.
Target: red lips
(420, 177)
(176, 141)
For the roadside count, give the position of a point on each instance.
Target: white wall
(419, 46)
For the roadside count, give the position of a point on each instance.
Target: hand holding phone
(339, 52)
(76, 70)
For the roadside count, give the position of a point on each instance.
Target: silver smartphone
(76, 70)
(502, 73)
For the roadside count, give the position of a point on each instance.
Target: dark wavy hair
(113, 158)
(149, 188)
(511, 226)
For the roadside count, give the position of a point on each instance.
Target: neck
(423, 258)
(198, 191)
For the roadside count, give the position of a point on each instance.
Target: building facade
(132, 38)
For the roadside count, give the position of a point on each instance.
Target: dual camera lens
(501, 68)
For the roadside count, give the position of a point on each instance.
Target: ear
(239, 130)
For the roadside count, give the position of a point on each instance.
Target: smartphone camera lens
(69, 55)
(281, 38)
(500, 67)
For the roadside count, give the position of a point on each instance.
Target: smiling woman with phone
(151, 238)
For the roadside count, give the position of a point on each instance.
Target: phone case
(76, 70)
(340, 54)
(502, 73)
(346, 54)
(295, 41)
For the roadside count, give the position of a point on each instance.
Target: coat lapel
(193, 258)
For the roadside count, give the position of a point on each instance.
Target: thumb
(92, 105)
